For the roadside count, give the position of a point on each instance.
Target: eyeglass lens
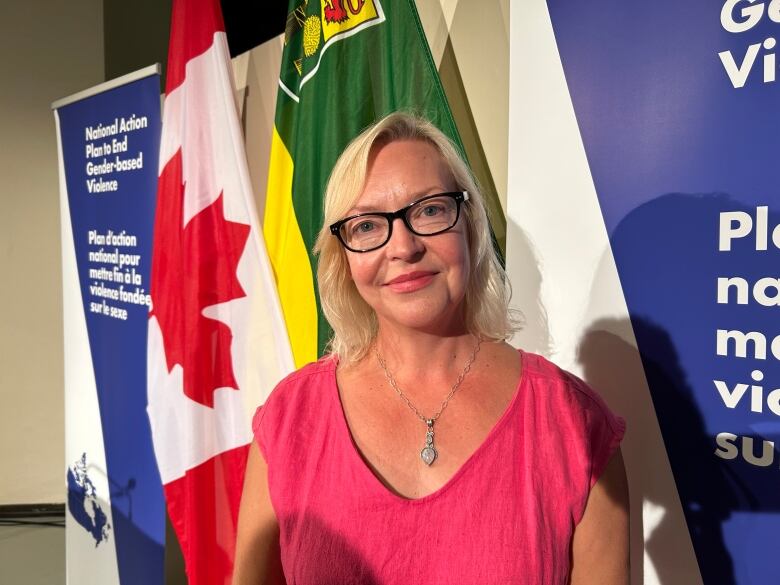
(425, 217)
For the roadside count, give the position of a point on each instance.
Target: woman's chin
(425, 318)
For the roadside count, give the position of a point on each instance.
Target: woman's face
(416, 282)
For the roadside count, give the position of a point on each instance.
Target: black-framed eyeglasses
(431, 215)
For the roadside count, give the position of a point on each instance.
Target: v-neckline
(359, 460)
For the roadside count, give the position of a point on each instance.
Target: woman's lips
(411, 281)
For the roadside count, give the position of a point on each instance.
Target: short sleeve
(274, 422)
(599, 439)
(606, 431)
(257, 430)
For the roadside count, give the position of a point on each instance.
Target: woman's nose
(403, 243)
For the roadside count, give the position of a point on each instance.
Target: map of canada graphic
(83, 503)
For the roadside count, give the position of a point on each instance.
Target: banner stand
(108, 149)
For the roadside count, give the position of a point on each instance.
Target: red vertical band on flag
(193, 24)
(210, 492)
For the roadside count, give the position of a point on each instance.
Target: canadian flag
(217, 338)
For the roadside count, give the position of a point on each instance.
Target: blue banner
(677, 106)
(109, 157)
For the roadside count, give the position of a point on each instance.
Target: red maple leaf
(194, 267)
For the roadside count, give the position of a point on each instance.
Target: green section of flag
(342, 69)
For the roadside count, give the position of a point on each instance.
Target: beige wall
(49, 49)
(469, 40)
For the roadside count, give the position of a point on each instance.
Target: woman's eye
(363, 227)
(432, 210)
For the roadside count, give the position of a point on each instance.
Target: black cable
(11, 522)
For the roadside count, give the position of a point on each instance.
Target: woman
(425, 449)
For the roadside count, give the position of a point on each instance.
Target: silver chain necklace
(428, 453)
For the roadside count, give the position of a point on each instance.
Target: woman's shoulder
(309, 374)
(296, 399)
(300, 384)
(574, 414)
(539, 367)
(567, 391)
(299, 387)
(544, 372)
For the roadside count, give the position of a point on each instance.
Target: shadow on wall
(526, 296)
(139, 557)
(668, 257)
(613, 365)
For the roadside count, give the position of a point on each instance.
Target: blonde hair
(353, 320)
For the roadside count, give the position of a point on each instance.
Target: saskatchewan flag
(346, 63)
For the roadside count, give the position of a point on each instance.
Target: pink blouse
(506, 516)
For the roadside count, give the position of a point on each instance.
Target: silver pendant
(428, 453)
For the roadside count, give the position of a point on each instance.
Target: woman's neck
(422, 357)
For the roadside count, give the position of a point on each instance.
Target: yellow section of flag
(344, 15)
(289, 258)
